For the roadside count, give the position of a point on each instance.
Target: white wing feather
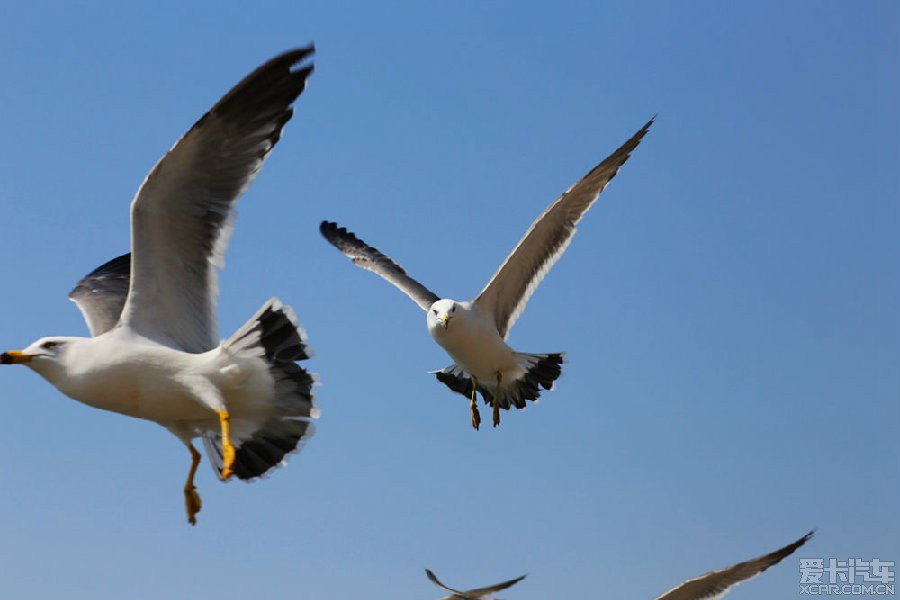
(181, 215)
(715, 584)
(509, 290)
(371, 259)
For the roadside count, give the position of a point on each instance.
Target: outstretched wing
(508, 291)
(479, 592)
(371, 259)
(715, 584)
(101, 294)
(181, 216)
(438, 583)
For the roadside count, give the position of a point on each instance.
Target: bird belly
(149, 385)
(142, 396)
(481, 352)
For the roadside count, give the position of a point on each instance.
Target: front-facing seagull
(474, 332)
(156, 352)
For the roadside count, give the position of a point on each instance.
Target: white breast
(474, 343)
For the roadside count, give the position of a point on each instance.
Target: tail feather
(541, 370)
(265, 450)
(274, 333)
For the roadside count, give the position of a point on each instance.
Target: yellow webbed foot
(192, 504)
(476, 416)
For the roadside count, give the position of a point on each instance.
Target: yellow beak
(444, 320)
(15, 357)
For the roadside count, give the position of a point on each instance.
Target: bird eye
(434, 310)
(453, 308)
(49, 345)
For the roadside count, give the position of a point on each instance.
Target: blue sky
(729, 307)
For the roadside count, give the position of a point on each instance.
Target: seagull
(715, 584)
(473, 332)
(711, 586)
(476, 594)
(155, 352)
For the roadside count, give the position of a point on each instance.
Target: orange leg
(497, 402)
(192, 503)
(473, 405)
(228, 452)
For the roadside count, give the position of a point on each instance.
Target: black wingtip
(117, 268)
(293, 61)
(643, 130)
(328, 229)
(278, 81)
(782, 553)
(806, 538)
(332, 232)
(295, 55)
(623, 152)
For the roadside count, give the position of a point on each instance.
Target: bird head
(39, 356)
(440, 314)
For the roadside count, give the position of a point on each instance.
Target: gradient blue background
(729, 306)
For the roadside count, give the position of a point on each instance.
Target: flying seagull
(474, 332)
(715, 584)
(711, 586)
(155, 352)
(476, 594)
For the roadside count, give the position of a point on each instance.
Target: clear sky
(729, 307)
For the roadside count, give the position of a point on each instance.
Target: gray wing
(480, 592)
(182, 213)
(715, 584)
(438, 583)
(509, 289)
(101, 294)
(371, 259)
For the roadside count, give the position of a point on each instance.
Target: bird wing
(480, 592)
(100, 295)
(371, 259)
(715, 584)
(438, 583)
(508, 291)
(182, 213)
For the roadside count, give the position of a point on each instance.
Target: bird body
(141, 378)
(483, 593)
(148, 380)
(155, 352)
(474, 332)
(471, 339)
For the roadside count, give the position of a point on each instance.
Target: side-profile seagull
(715, 584)
(477, 593)
(156, 352)
(474, 332)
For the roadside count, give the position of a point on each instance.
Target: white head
(47, 356)
(440, 316)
